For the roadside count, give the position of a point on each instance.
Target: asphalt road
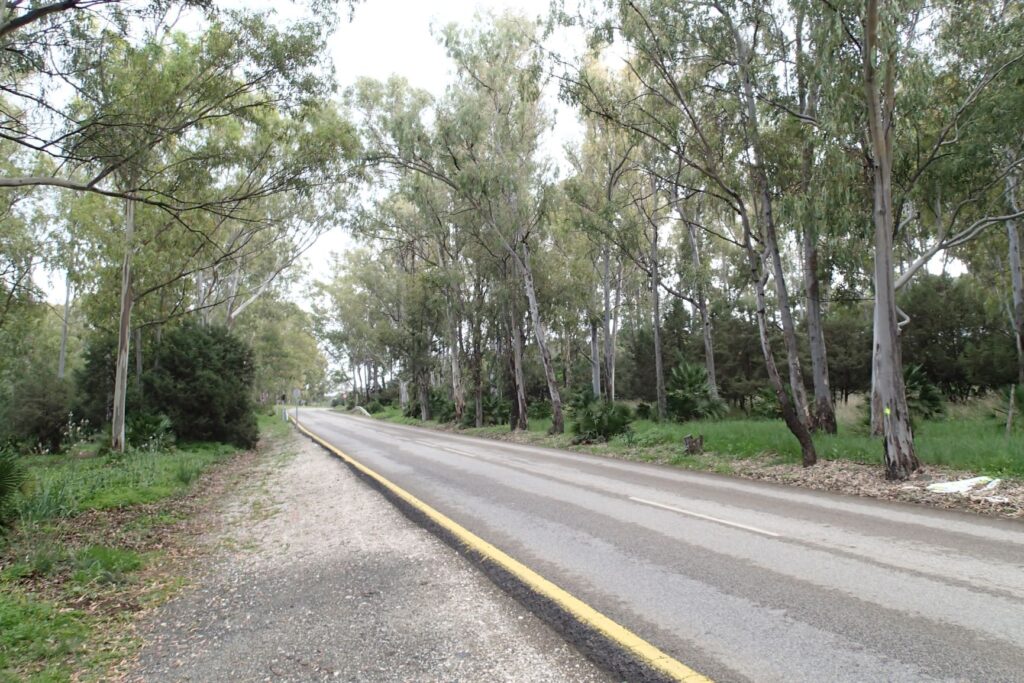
(742, 581)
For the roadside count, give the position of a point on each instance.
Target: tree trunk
(824, 414)
(518, 381)
(1016, 279)
(423, 392)
(595, 359)
(63, 356)
(557, 421)
(610, 379)
(888, 390)
(403, 394)
(770, 237)
(138, 359)
(458, 392)
(659, 370)
(117, 437)
(609, 345)
(789, 413)
(702, 308)
(478, 356)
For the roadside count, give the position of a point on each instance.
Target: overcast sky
(387, 37)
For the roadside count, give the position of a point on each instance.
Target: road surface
(740, 580)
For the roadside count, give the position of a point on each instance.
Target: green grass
(37, 638)
(272, 425)
(62, 486)
(48, 570)
(971, 441)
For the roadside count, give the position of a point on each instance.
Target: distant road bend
(742, 581)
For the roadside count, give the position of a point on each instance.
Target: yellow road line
(629, 641)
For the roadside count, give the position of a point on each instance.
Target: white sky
(389, 37)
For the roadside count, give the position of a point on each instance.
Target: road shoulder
(314, 576)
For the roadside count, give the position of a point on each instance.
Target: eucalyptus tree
(700, 70)
(484, 145)
(890, 50)
(193, 131)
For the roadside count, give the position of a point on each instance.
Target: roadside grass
(972, 441)
(79, 560)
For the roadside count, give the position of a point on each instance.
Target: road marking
(640, 648)
(458, 452)
(706, 517)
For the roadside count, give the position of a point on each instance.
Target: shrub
(689, 396)
(765, 405)
(149, 432)
(924, 400)
(643, 411)
(923, 397)
(374, 407)
(599, 420)
(203, 382)
(12, 480)
(94, 383)
(538, 410)
(37, 415)
(496, 409)
(442, 408)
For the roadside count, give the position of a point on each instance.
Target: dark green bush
(599, 420)
(374, 407)
(149, 431)
(766, 406)
(37, 415)
(689, 397)
(538, 410)
(643, 411)
(203, 383)
(442, 408)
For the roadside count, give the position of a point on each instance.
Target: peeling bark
(557, 420)
(117, 428)
(888, 390)
(659, 369)
(1016, 279)
(518, 381)
(824, 414)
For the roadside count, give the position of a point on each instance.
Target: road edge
(609, 644)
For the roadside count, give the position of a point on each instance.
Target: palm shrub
(599, 420)
(689, 396)
(924, 399)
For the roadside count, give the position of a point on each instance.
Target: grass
(55, 559)
(971, 441)
(38, 638)
(63, 486)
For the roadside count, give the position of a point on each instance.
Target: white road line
(706, 517)
(456, 450)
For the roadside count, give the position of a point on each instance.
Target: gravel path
(314, 576)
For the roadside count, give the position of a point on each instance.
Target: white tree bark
(117, 428)
(889, 396)
(1016, 278)
(63, 356)
(526, 270)
(659, 369)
